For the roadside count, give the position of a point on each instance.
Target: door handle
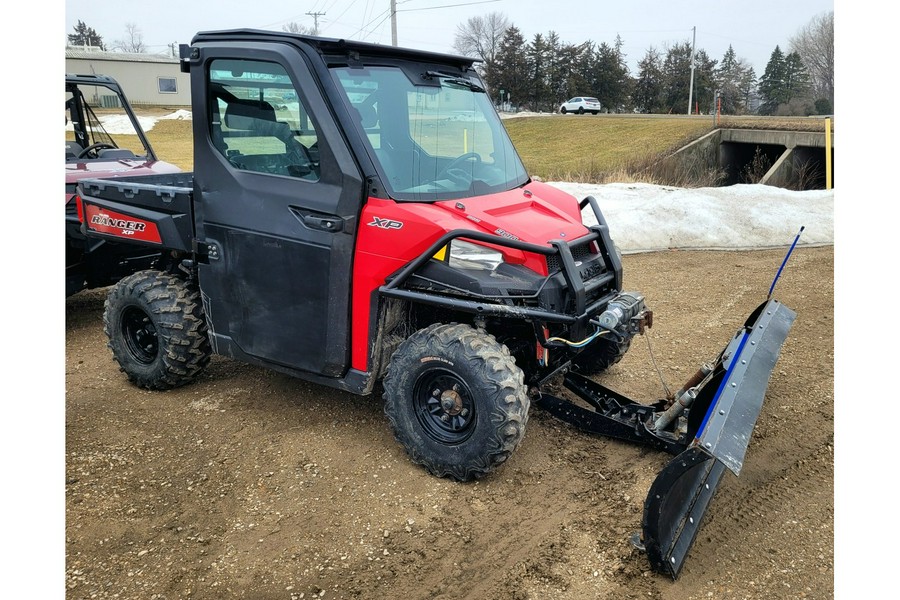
(333, 224)
(318, 221)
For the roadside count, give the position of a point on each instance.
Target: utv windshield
(437, 140)
(99, 125)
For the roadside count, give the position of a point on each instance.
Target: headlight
(466, 255)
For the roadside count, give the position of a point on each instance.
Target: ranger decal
(108, 221)
(119, 225)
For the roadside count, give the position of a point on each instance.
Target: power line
(349, 6)
(361, 29)
(446, 6)
(378, 24)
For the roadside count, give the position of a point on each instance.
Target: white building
(147, 79)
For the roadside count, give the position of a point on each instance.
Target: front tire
(156, 330)
(580, 110)
(601, 355)
(456, 400)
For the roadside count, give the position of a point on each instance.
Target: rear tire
(456, 401)
(601, 355)
(156, 329)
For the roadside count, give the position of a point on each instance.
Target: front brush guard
(713, 435)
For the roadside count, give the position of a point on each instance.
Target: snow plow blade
(707, 425)
(682, 491)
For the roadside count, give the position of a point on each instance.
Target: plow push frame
(707, 425)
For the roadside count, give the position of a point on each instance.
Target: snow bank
(644, 217)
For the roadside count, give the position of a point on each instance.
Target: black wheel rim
(444, 406)
(140, 335)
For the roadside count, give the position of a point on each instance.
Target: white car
(580, 105)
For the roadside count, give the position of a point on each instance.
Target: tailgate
(153, 210)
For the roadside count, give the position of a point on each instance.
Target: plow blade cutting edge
(710, 436)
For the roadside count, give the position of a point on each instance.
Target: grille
(579, 253)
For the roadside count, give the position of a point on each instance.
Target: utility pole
(693, 54)
(393, 22)
(315, 16)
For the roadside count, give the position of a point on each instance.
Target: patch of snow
(179, 114)
(645, 218)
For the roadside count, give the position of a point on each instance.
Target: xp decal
(385, 223)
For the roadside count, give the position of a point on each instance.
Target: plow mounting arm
(707, 434)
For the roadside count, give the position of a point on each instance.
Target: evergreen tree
(773, 88)
(747, 88)
(704, 81)
(583, 69)
(610, 81)
(625, 80)
(537, 55)
(572, 75)
(85, 36)
(785, 87)
(676, 70)
(796, 77)
(728, 80)
(676, 78)
(648, 89)
(798, 88)
(556, 71)
(510, 69)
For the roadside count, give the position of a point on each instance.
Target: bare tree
(480, 36)
(815, 45)
(294, 27)
(133, 42)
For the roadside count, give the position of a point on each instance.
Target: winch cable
(656, 366)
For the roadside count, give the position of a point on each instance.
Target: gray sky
(752, 27)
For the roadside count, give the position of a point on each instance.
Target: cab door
(278, 195)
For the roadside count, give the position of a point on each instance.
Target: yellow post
(827, 154)
(465, 141)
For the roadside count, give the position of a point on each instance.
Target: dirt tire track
(251, 484)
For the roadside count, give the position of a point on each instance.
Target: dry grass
(815, 124)
(173, 142)
(594, 149)
(575, 148)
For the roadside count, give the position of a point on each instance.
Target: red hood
(114, 168)
(535, 213)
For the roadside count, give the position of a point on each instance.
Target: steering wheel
(453, 170)
(94, 147)
(301, 162)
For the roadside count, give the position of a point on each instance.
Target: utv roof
(332, 45)
(92, 79)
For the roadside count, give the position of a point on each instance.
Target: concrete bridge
(794, 159)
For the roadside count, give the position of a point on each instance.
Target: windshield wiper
(455, 80)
